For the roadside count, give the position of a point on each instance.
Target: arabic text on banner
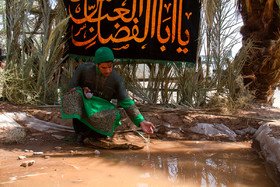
(135, 29)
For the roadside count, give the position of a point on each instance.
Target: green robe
(98, 113)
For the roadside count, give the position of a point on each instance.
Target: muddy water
(183, 163)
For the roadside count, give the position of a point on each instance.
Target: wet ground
(171, 159)
(160, 163)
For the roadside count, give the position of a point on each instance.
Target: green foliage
(33, 60)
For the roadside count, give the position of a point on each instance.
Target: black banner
(135, 29)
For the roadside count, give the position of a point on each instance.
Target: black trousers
(82, 129)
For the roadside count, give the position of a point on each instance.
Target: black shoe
(80, 139)
(3, 99)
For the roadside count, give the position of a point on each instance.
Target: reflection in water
(167, 164)
(206, 168)
(172, 169)
(222, 169)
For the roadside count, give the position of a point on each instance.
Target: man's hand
(2, 65)
(86, 90)
(147, 127)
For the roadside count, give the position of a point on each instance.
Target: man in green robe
(91, 89)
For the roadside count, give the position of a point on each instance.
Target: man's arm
(131, 109)
(74, 81)
(136, 117)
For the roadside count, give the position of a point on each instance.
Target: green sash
(98, 114)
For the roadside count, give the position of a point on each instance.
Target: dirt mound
(171, 123)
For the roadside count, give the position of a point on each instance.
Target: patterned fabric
(132, 111)
(72, 104)
(103, 120)
(97, 113)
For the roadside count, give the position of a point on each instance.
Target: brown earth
(171, 123)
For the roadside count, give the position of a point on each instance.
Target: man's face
(105, 68)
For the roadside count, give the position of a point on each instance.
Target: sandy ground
(172, 125)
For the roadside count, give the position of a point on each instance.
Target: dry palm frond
(271, 64)
(209, 9)
(278, 3)
(37, 66)
(133, 85)
(14, 135)
(234, 69)
(249, 6)
(190, 86)
(57, 50)
(157, 85)
(20, 90)
(236, 95)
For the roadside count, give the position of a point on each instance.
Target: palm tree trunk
(261, 25)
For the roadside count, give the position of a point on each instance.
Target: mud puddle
(162, 163)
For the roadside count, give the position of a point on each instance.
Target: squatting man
(91, 88)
